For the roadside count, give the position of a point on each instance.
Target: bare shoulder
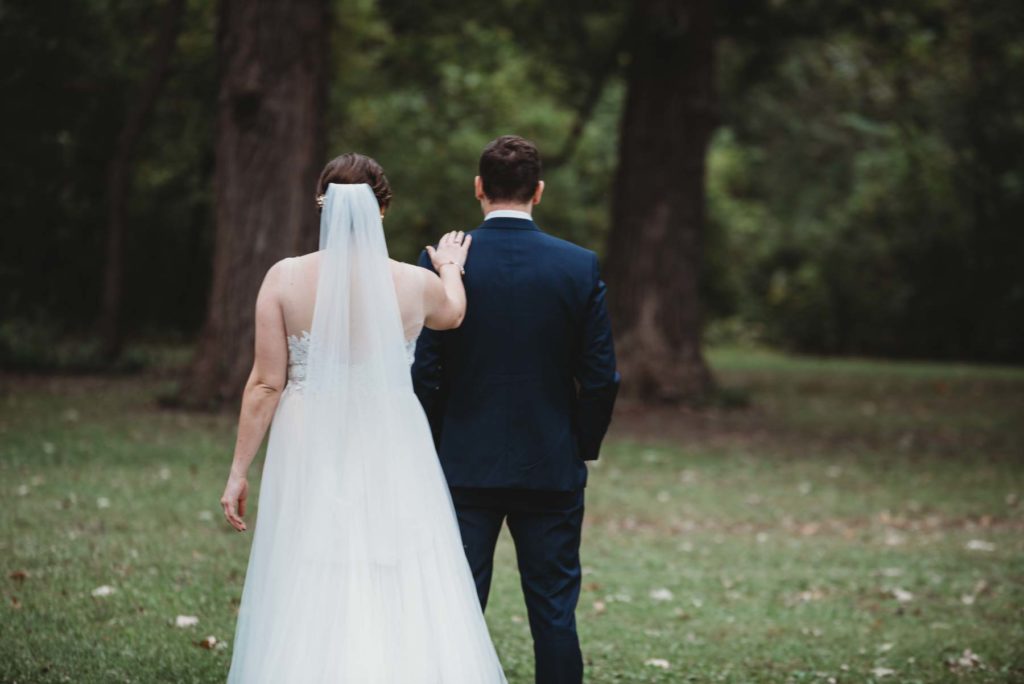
(303, 261)
(400, 269)
(284, 273)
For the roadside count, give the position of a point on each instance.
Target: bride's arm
(261, 395)
(444, 295)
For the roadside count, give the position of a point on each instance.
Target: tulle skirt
(357, 571)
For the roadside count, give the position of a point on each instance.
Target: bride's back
(299, 286)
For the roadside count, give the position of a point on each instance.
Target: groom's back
(501, 391)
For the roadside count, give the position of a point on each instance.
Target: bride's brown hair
(353, 167)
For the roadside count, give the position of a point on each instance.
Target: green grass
(782, 533)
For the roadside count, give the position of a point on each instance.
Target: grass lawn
(860, 521)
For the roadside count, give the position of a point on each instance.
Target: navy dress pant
(546, 527)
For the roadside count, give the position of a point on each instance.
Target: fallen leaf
(209, 643)
(600, 607)
(810, 595)
(968, 660)
(809, 529)
(661, 594)
(893, 538)
(15, 603)
(980, 545)
(104, 590)
(18, 575)
(901, 595)
(185, 621)
(657, 662)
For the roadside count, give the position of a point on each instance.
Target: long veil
(357, 572)
(355, 365)
(356, 339)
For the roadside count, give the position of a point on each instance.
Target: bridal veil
(357, 572)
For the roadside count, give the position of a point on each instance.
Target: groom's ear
(478, 188)
(538, 192)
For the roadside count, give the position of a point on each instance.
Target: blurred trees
(119, 177)
(658, 208)
(270, 147)
(71, 72)
(866, 189)
(864, 182)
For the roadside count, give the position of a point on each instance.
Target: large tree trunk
(658, 207)
(270, 142)
(119, 179)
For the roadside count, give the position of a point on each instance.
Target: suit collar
(503, 223)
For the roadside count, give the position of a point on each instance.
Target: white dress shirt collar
(507, 213)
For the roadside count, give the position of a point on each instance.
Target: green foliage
(42, 346)
(865, 185)
(780, 533)
(75, 67)
(861, 201)
(424, 103)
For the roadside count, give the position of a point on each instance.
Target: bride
(357, 572)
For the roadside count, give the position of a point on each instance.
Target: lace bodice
(298, 357)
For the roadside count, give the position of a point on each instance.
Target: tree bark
(658, 205)
(119, 180)
(270, 143)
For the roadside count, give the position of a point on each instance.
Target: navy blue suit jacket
(522, 393)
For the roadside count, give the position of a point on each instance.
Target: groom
(519, 398)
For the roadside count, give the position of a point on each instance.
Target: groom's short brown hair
(510, 169)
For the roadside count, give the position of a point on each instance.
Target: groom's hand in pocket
(236, 493)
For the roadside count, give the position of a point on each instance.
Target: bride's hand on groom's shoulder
(233, 500)
(453, 248)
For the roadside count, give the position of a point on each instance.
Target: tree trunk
(119, 180)
(658, 207)
(270, 142)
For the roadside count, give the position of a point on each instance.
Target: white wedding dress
(357, 572)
